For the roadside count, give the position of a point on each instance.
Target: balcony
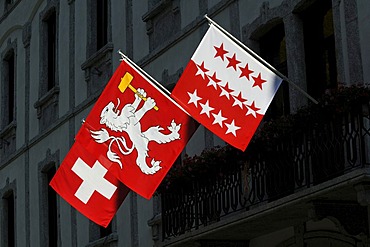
(295, 168)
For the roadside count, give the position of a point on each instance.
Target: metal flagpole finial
(208, 19)
(123, 56)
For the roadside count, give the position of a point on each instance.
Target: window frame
(50, 163)
(47, 105)
(51, 11)
(320, 56)
(265, 47)
(100, 236)
(98, 66)
(94, 27)
(10, 53)
(7, 127)
(8, 190)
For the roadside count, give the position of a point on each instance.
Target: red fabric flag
(226, 89)
(87, 185)
(136, 131)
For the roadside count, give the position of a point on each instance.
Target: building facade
(57, 56)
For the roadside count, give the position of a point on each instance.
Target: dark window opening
(273, 50)
(102, 23)
(104, 232)
(52, 210)
(10, 72)
(51, 49)
(8, 4)
(153, 3)
(319, 44)
(9, 208)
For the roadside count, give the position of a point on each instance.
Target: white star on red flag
(206, 109)
(194, 98)
(218, 118)
(231, 128)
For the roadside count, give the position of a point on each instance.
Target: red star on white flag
(252, 109)
(213, 80)
(201, 70)
(226, 91)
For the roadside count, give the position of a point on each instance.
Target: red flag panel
(136, 131)
(88, 186)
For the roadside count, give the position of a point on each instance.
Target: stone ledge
(108, 241)
(51, 97)
(7, 133)
(97, 56)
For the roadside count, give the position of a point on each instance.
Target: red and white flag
(88, 186)
(135, 131)
(225, 89)
(131, 137)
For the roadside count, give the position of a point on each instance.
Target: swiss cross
(93, 180)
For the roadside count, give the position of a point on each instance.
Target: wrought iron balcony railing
(320, 149)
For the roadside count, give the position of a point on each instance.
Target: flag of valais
(224, 88)
(135, 131)
(88, 186)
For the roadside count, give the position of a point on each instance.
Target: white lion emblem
(128, 120)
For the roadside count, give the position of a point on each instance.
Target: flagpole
(143, 71)
(261, 60)
(126, 58)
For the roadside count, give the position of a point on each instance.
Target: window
(104, 232)
(8, 100)
(8, 214)
(98, 65)
(48, 201)
(101, 236)
(102, 23)
(273, 50)
(99, 33)
(8, 4)
(98, 232)
(9, 88)
(52, 210)
(163, 21)
(9, 219)
(153, 3)
(47, 103)
(51, 50)
(319, 48)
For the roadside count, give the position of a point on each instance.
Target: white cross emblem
(93, 180)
